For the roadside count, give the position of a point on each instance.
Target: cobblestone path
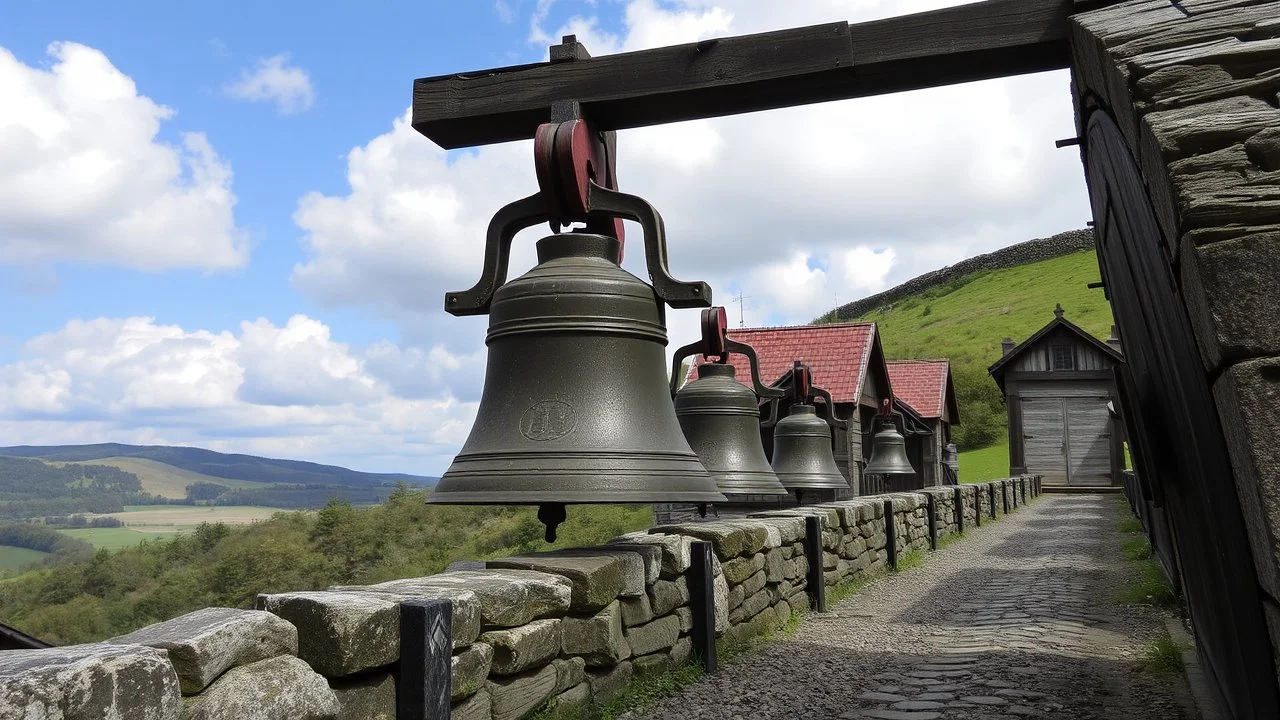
(1017, 619)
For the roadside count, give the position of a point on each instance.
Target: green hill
(965, 319)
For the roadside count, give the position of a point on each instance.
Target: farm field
(148, 522)
(12, 557)
(164, 479)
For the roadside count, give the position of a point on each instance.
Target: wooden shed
(1058, 385)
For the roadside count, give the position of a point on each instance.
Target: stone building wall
(1058, 245)
(571, 625)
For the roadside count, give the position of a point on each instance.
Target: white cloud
(288, 391)
(274, 80)
(86, 180)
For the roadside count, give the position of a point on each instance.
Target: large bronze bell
(888, 450)
(720, 416)
(575, 406)
(803, 456)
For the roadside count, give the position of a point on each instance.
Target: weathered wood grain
(749, 73)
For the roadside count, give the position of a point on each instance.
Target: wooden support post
(977, 506)
(959, 503)
(1014, 492)
(702, 598)
(813, 554)
(1004, 497)
(890, 535)
(931, 509)
(991, 500)
(1023, 485)
(423, 687)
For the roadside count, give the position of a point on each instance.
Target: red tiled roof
(922, 384)
(837, 354)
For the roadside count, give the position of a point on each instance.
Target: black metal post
(1014, 493)
(702, 598)
(1004, 497)
(1022, 485)
(813, 554)
(977, 505)
(991, 500)
(959, 503)
(931, 509)
(890, 535)
(426, 660)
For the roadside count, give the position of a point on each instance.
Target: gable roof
(925, 385)
(997, 369)
(839, 355)
(12, 638)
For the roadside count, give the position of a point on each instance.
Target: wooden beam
(748, 73)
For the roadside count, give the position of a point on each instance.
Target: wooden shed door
(1044, 440)
(1088, 441)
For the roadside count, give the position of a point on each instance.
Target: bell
(888, 451)
(575, 406)
(802, 455)
(721, 420)
(951, 457)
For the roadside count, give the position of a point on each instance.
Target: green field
(989, 463)
(12, 558)
(147, 522)
(164, 479)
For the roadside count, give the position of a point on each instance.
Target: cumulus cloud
(85, 178)
(274, 80)
(288, 391)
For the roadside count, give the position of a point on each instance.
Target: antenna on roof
(739, 299)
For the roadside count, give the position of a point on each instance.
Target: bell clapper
(551, 515)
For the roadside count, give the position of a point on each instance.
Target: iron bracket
(716, 343)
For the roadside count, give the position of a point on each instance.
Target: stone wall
(1026, 252)
(571, 625)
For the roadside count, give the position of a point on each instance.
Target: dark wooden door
(1088, 434)
(1044, 438)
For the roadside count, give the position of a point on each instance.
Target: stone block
(366, 698)
(783, 609)
(596, 579)
(507, 598)
(751, 606)
(88, 681)
(685, 616)
(738, 569)
(736, 595)
(675, 549)
(650, 555)
(469, 669)
(609, 682)
(467, 609)
(681, 651)
(279, 688)
(652, 664)
(511, 698)
(636, 611)
(340, 633)
(204, 644)
(667, 595)
(652, 637)
(478, 707)
(577, 696)
(599, 639)
(753, 584)
(830, 560)
(730, 539)
(633, 570)
(774, 566)
(1247, 396)
(763, 622)
(570, 672)
(720, 599)
(518, 649)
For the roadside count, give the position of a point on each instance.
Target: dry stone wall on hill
(1058, 245)
(571, 626)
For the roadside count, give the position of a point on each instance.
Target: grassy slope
(989, 463)
(116, 538)
(164, 479)
(966, 320)
(15, 557)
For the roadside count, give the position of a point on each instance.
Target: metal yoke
(716, 343)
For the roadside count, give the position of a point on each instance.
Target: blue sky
(272, 284)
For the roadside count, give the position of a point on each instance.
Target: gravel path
(1018, 619)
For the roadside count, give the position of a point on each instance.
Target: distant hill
(215, 465)
(964, 317)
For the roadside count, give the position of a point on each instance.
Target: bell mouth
(579, 245)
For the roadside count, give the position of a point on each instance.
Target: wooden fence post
(701, 582)
(426, 660)
(890, 535)
(977, 505)
(931, 510)
(813, 553)
(959, 503)
(991, 500)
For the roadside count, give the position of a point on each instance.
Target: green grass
(1146, 584)
(1162, 655)
(14, 558)
(967, 318)
(912, 559)
(116, 538)
(989, 463)
(163, 479)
